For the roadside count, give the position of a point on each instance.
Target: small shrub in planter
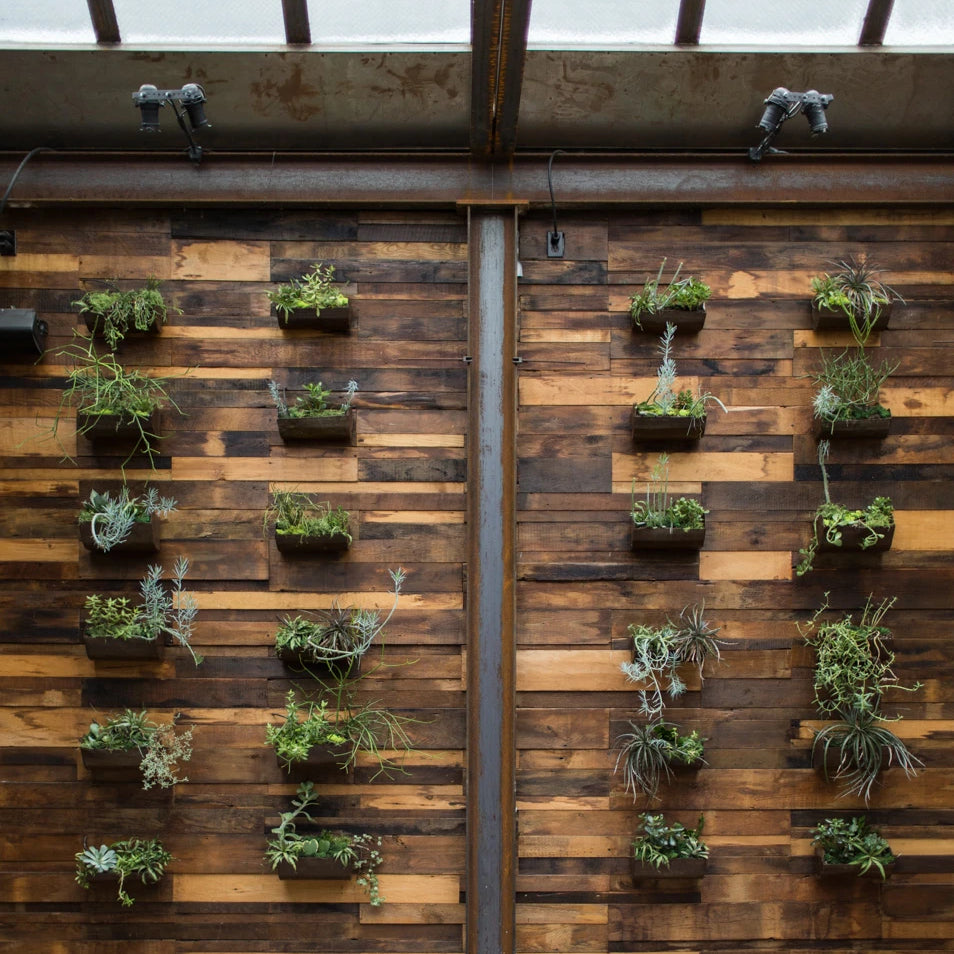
(114, 314)
(310, 417)
(662, 846)
(314, 295)
(668, 413)
(123, 860)
(123, 523)
(836, 526)
(303, 525)
(158, 747)
(648, 308)
(116, 628)
(659, 652)
(334, 640)
(852, 297)
(289, 848)
(648, 754)
(853, 670)
(848, 845)
(660, 521)
(847, 402)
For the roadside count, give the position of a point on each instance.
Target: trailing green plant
(313, 403)
(849, 841)
(659, 652)
(100, 388)
(853, 671)
(648, 751)
(660, 843)
(665, 399)
(348, 729)
(115, 313)
(315, 289)
(131, 858)
(359, 852)
(336, 638)
(111, 519)
(300, 514)
(856, 291)
(849, 387)
(161, 611)
(658, 509)
(159, 744)
(875, 519)
(686, 294)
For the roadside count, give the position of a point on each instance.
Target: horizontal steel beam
(584, 181)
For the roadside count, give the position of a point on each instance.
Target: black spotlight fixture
(188, 102)
(21, 332)
(782, 104)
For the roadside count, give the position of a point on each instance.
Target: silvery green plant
(313, 403)
(111, 519)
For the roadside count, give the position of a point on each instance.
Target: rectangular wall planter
(852, 538)
(94, 324)
(143, 538)
(318, 869)
(661, 538)
(686, 322)
(333, 428)
(301, 660)
(870, 428)
(677, 868)
(295, 544)
(824, 319)
(666, 427)
(336, 320)
(104, 647)
(847, 872)
(112, 765)
(322, 765)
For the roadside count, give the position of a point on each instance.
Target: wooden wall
(579, 586)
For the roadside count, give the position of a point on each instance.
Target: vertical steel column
(491, 815)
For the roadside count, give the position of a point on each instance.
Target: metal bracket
(467, 359)
(517, 360)
(556, 245)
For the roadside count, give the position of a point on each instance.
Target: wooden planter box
(337, 428)
(104, 647)
(297, 660)
(94, 326)
(295, 544)
(112, 427)
(848, 872)
(321, 765)
(693, 868)
(143, 538)
(686, 322)
(319, 869)
(852, 538)
(666, 427)
(825, 319)
(872, 428)
(337, 320)
(660, 538)
(112, 765)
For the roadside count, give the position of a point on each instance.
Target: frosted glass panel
(810, 23)
(921, 23)
(196, 23)
(389, 22)
(45, 21)
(602, 23)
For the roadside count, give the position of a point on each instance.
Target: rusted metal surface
(585, 181)
(876, 22)
(689, 24)
(297, 27)
(105, 26)
(491, 813)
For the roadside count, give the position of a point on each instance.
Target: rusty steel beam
(499, 47)
(875, 22)
(297, 26)
(491, 658)
(64, 179)
(689, 24)
(105, 24)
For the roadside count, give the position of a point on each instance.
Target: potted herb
(122, 860)
(659, 652)
(312, 301)
(659, 522)
(113, 403)
(847, 402)
(310, 418)
(669, 851)
(847, 846)
(681, 303)
(669, 414)
(112, 314)
(852, 297)
(303, 525)
(837, 527)
(123, 524)
(115, 628)
(333, 640)
(322, 853)
(312, 737)
(131, 739)
(649, 754)
(853, 670)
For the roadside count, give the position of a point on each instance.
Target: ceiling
(491, 98)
